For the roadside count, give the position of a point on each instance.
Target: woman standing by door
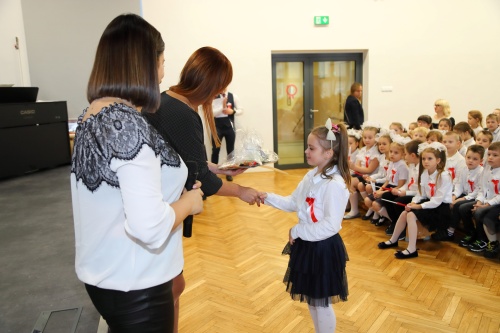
(353, 110)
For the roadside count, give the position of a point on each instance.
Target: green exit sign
(321, 20)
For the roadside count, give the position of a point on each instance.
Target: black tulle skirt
(316, 271)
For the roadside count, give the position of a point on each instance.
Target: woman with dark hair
(127, 185)
(206, 74)
(353, 110)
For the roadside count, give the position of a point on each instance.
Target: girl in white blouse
(316, 270)
(431, 206)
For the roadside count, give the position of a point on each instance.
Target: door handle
(311, 110)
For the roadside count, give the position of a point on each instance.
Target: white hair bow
(435, 145)
(354, 133)
(370, 124)
(399, 139)
(332, 129)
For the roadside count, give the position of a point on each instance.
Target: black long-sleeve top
(182, 128)
(353, 112)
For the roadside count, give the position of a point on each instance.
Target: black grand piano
(33, 135)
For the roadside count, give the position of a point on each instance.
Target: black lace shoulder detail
(117, 131)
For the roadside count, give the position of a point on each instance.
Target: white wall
(62, 37)
(424, 49)
(14, 67)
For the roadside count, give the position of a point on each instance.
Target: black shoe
(204, 197)
(367, 217)
(381, 221)
(407, 255)
(478, 246)
(389, 231)
(374, 221)
(229, 178)
(466, 241)
(402, 236)
(442, 235)
(492, 250)
(384, 245)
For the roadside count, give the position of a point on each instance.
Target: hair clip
(434, 145)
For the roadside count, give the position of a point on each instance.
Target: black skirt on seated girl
(316, 271)
(434, 218)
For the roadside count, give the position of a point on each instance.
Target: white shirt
(490, 187)
(352, 157)
(477, 129)
(456, 166)
(469, 185)
(466, 144)
(121, 206)
(397, 171)
(496, 134)
(411, 185)
(383, 166)
(437, 193)
(217, 106)
(367, 156)
(329, 201)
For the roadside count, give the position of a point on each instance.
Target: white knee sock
(412, 232)
(383, 212)
(353, 199)
(325, 321)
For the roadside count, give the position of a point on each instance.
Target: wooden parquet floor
(234, 271)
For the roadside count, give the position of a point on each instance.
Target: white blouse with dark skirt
(123, 179)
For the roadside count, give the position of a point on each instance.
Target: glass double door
(308, 89)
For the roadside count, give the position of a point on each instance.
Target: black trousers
(225, 130)
(148, 310)
(456, 217)
(477, 231)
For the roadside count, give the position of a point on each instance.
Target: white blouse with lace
(123, 178)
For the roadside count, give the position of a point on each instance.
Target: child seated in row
(465, 191)
(485, 209)
(419, 133)
(412, 126)
(431, 206)
(397, 175)
(466, 134)
(366, 163)
(354, 138)
(493, 126)
(455, 162)
(434, 136)
(377, 179)
(424, 121)
(475, 120)
(484, 139)
(397, 128)
(445, 125)
(404, 194)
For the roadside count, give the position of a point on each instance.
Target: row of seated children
(400, 187)
(474, 120)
